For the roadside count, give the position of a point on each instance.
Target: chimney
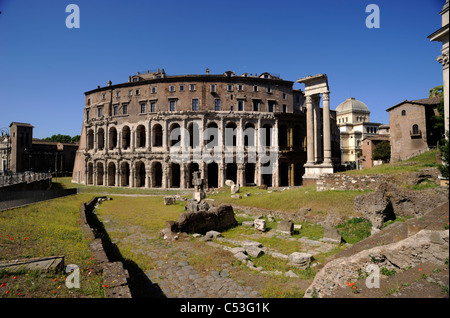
(207, 71)
(109, 83)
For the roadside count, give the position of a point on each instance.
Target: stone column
(326, 128)
(310, 130)
(317, 131)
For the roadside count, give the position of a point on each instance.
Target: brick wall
(340, 181)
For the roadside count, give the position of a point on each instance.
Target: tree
(63, 138)
(76, 138)
(382, 151)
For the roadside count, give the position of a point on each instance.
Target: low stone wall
(341, 181)
(114, 274)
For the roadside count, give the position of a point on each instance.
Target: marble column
(326, 128)
(310, 130)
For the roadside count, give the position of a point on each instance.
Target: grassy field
(292, 200)
(414, 164)
(48, 228)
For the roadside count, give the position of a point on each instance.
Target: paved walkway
(175, 278)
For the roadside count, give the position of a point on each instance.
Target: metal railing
(10, 178)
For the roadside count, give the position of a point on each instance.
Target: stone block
(286, 227)
(260, 225)
(169, 200)
(300, 260)
(254, 251)
(332, 235)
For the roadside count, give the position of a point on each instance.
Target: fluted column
(310, 130)
(326, 128)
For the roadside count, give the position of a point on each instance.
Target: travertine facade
(130, 135)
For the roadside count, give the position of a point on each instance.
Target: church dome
(350, 105)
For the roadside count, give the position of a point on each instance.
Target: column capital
(326, 96)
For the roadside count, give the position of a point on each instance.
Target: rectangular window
(138, 92)
(195, 104)
(240, 88)
(118, 94)
(271, 105)
(269, 90)
(255, 88)
(125, 109)
(213, 88)
(172, 88)
(153, 107)
(297, 98)
(130, 92)
(172, 105)
(100, 111)
(217, 104)
(89, 102)
(230, 88)
(255, 105)
(284, 108)
(103, 96)
(240, 105)
(142, 108)
(116, 110)
(192, 87)
(87, 115)
(153, 90)
(284, 95)
(181, 88)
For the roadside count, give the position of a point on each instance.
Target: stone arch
(192, 167)
(249, 135)
(124, 174)
(249, 174)
(175, 175)
(100, 139)
(157, 173)
(100, 172)
(140, 136)
(266, 135)
(174, 134)
(112, 138)
(212, 136)
(194, 135)
(90, 173)
(157, 135)
(139, 174)
(90, 139)
(111, 174)
(230, 134)
(232, 172)
(126, 137)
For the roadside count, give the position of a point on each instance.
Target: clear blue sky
(45, 68)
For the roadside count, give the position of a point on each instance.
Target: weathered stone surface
(300, 260)
(248, 223)
(45, 264)
(260, 225)
(235, 188)
(193, 205)
(241, 256)
(286, 227)
(254, 251)
(332, 235)
(217, 219)
(424, 246)
(236, 196)
(169, 200)
(388, 201)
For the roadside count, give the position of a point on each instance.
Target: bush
(444, 150)
(355, 230)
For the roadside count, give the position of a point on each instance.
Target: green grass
(414, 164)
(355, 230)
(293, 199)
(43, 229)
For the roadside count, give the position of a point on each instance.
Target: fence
(11, 178)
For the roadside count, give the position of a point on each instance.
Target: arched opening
(90, 139)
(175, 175)
(157, 134)
(266, 176)
(212, 135)
(90, 173)
(100, 139)
(232, 172)
(415, 129)
(112, 138)
(230, 135)
(250, 174)
(157, 174)
(266, 135)
(100, 173)
(124, 174)
(249, 135)
(175, 135)
(194, 135)
(213, 175)
(140, 136)
(111, 174)
(139, 178)
(193, 167)
(126, 137)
